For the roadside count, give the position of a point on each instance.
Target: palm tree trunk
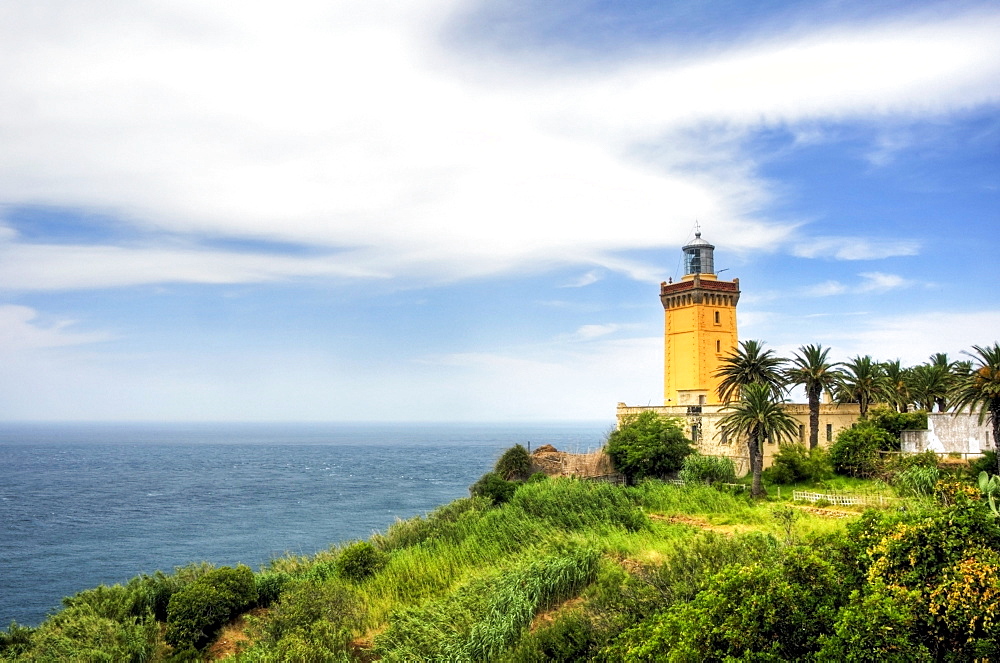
(756, 463)
(813, 418)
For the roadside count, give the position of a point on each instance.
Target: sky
(458, 210)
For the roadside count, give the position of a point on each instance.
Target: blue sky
(452, 210)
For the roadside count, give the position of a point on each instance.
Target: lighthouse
(699, 327)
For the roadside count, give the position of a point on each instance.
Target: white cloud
(825, 289)
(591, 332)
(591, 277)
(913, 338)
(871, 282)
(348, 126)
(67, 267)
(855, 248)
(879, 282)
(22, 330)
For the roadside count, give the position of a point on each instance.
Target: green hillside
(572, 570)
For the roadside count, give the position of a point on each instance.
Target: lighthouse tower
(699, 328)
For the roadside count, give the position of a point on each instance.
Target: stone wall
(950, 433)
(701, 424)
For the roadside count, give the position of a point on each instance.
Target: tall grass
(483, 618)
(689, 499)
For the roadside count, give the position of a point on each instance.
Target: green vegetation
(569, 570)
(530, 568)
(795, 464)
(758, 416)
(648, 446)
(198, 609)
(707, 469)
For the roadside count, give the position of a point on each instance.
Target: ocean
(86, 504)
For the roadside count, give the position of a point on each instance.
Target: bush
(79, 633)
(514, 464)
(648, 446)
(894, 422)
(269, 586)
(856, 449)
(310, 622)
(986, 463)
(771, 612)
(15, 640)
(360, 560)
(707, 469)
(493, 487)
(196, 611)
(794, 464)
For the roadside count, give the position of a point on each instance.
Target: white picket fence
(840, 499)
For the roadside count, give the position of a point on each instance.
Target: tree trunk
(814, 417)
(995, 420)
(756, 464)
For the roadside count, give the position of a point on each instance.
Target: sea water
(86, 504)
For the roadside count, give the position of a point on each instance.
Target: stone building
(699, 330)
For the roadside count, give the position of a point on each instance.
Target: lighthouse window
(717, 318)
(718, 346)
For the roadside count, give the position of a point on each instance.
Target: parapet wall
(950, 433)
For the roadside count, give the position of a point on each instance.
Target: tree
(939, 360)
(648, 445)
(812, 370)
(980, 389)
(758, 416)
(929, 385)
(750, 363)
(862, 381)
(514, 464)
(898, 381)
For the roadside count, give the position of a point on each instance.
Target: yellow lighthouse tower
(699, 328)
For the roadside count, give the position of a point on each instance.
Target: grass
(465, 581)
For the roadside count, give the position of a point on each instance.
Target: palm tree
(810, 368)
(929, 385)
(758, 415)
(939, 360)
(749, 364)
(898, 381)
(980, 390)
(861, 382)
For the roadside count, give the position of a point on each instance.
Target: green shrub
(270, 585)
(697, 468)
(648, 446)
(895, 422)
(985, 463)
(856, 449)
(570, 637)
(493, 487)
(514, 464)
(764, 612)
(795, 464)
(880, 625)
(15, 640)
(198, 609)
(80, 633)
(360, 560)
(309, 622)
